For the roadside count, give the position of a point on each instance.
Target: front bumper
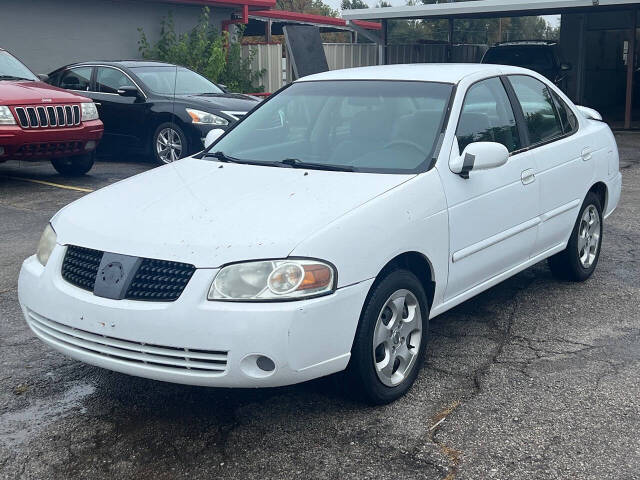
(46, 143)
(192, 340)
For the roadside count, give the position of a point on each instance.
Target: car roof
(423, 72)
(123, 63)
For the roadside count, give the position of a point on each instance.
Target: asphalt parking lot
(534, 379)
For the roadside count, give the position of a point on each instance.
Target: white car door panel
(492, 222)
(493, 214)
(563, 155)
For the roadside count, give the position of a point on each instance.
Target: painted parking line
(51, 184)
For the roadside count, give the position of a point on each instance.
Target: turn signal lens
(315, 276)
(273, 280)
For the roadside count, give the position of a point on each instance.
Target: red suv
(41, 122)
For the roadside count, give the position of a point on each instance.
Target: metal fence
(269, 57)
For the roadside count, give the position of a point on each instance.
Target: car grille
(155, 280)
(173, 358)
(49, 116)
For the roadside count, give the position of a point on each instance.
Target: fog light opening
(265, 364)
(1, 151)
(90, 145)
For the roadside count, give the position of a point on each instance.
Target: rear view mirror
(128, 91)
(479, 156)
(212, 136)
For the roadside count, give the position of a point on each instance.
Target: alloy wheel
(397, 337)
(169, 145)
(588, 236)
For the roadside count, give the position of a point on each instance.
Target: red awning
(319, 20)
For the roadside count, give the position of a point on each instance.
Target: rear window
(533, 58)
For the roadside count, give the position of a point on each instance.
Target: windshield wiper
(296, 163)
(220, 155)
(13, 77)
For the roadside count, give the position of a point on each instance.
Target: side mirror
(43, 77)
(565, 67)
(212, 136)
(128, 91)
(479, 156)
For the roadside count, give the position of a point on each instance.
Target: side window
(78, 78)
(540, 115)
(109, 80)
(568, 119)
(487, 116)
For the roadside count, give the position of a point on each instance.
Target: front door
(493, 214)
(123, 117)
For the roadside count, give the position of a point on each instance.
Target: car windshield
(167, 80)
(533, 58)
(12, 68)
(365, 126)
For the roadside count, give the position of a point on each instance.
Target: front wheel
(74, 166)
(169, 143)
(579, 260)
(390, 342)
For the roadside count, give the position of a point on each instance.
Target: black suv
(152, 107)
(537, 55)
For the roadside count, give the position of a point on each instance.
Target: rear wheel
(169, 143)
(390, 342)
(579, 260)
(74, 166)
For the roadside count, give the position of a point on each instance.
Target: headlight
(89, 111)
(206, 118)
(46, 245)
(6, 118)
(273, 280)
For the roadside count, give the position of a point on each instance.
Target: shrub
(203, 50)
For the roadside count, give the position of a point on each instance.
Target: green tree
(315, 7)
(203, 50)
(353, 5)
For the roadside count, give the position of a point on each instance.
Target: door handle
(587, 154)
(97, 104)
(528, 176)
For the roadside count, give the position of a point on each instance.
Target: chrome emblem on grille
(46, 100)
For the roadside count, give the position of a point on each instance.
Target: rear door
(77, 79)
(563, 157)
(493, 213)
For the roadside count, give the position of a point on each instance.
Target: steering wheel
(407, 143)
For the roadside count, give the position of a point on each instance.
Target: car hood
(232, 102)
(23, 92)
(208, 214)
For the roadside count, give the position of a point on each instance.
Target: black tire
(74, 166)
(567, 265)
(361, 376)
(157, 157)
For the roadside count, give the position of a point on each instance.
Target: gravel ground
(533, 379)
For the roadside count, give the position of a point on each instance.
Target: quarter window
(76, 79)
(541, 118)
(109, 80)
(568, 119)
(487, 116)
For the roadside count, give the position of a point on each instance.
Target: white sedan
(325, 229)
